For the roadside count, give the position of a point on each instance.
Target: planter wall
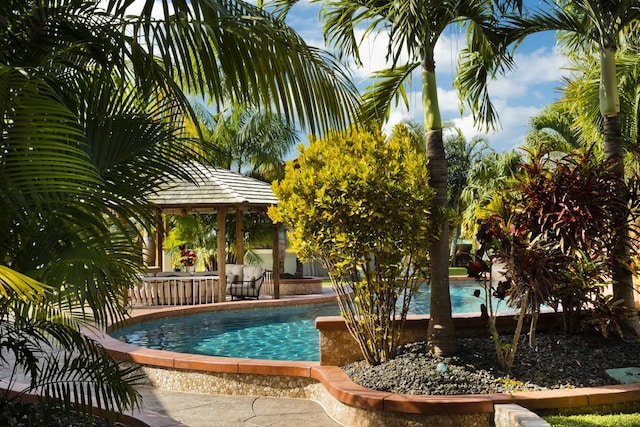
(301, 286)
(338, 348)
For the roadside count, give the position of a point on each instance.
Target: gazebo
(220, 191)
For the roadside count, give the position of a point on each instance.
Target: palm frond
(388, 85)
(263, 61)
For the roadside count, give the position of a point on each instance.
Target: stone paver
(200, 410)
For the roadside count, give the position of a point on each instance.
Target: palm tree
(581, 92)
(220, 48)
(461, 155)
(596, 28)
(555, 129)
(57, 226)
(249, 140)
(486, 184)
(414, 27)
(93, 104)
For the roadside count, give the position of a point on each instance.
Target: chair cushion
(244, 291)
(253, 271)
(235, 269)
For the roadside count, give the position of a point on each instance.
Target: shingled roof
(216, 187)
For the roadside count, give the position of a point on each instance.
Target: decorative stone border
(303, 286)
(344, 400)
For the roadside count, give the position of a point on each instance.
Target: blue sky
(518, 96)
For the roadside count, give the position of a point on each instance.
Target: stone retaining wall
(307, 286)
(344, 400)
(306, 388)
(338, 347)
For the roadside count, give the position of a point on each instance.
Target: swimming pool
(282, 333)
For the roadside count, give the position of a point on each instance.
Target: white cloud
(514, 121)
(395, 117)
(373, 52)
(447, 51)
(135, 8)
(449, 102)
(541, 66)
(518, 96)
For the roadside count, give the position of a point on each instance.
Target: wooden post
(220, 294)
(160, 228)
(239, 236)
(276, 261)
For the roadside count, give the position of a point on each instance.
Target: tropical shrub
(360, 206)
(570, 203)
(555, 244)
(530, 269)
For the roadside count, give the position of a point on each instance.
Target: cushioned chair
(244, 281)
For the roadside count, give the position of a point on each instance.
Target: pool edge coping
(339, 385)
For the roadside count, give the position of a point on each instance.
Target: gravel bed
(556, 361)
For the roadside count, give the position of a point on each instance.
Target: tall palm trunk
(614, 152)
(441, 336)
(620, 259)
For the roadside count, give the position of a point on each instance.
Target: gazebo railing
(267, 286)
(173, 290)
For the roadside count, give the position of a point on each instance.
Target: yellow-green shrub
(360, 205)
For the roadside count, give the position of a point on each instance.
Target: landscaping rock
(556, 361)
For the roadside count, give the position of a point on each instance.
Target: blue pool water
(283, 333)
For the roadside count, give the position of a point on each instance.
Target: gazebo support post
(239, 236)
(220, 294)
(159, 240)
(276, 261)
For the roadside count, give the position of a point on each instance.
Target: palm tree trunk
(441, 336)
(620, 259)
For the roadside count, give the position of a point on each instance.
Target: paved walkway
(200, 410)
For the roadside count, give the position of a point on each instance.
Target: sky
(518, 96)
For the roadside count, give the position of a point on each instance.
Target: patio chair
(244, 281)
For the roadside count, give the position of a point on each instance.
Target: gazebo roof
(216, 187)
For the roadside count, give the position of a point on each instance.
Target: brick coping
(338, 384)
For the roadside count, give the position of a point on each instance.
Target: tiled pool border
(343, 400)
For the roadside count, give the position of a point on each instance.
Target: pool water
(283, 333)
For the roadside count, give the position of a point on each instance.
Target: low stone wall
(345, 401)
(304, 286)
(448, 414)
(338, 347)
